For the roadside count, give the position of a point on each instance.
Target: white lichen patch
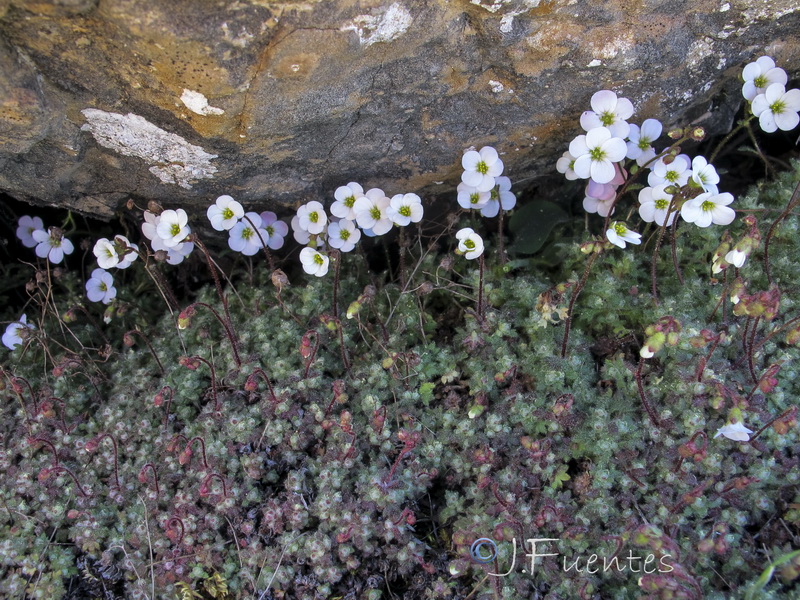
(595, 62)
(197, 103)
(496, 86)
(698, 51)
(496, 5)
(172, 158)
(386, 27)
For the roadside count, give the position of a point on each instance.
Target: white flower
(301, 236)
(599, 198)
(640, 144)
(172, 227)
(52, 245)
(704, 174)
(566, 165)
(654, 203)
(312, 218)
(100, 287)
(777, 109)
(596, 152)
(405, 209)
(224, 213)
(346, 197)
(500, 195)
(371, 212)
(759, 75)
(25, 228)
(708, 208)
(314, 262)
(176, 254)
(676, 172)
(470, 244)
(13, 336)
(106, 254)
(469, 197)
(277, 230)
(343, 235)
(736, 257)
(247, 236)
(149, 226)
(480, 168)
(126, 251)
(619, 235)
(734, 431)
(608, 111)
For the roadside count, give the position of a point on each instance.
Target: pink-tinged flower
(734, 431)
(481, 167)
(654, 203)
(608, 111)
(405, 209)
(247, 236)
(25, 228)
(312, 218)
(16, 332)
(314, 262)
(343, 235)
(346, 197)
(469, 197)
(640, 144)
(276, 229)
(52, 244)
(596, 152)
(676, 172)
(566, 165)
(224, 213)
(500, 195)
(777, 109)
(371, 212)
(173, 227)
(619, 235)
(708, 208)
(470, 244)
(759, 75)
(100, 287)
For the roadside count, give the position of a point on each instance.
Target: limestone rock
(277, 103)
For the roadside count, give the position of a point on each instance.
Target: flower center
(474, 198)
(103, 286)
(469, 244)
(247, 233)
(175, 229)
(777, 107)
(597, 153)
(671, 176)
(344, 235)
(495, 194)
(349, 201)
(55, 242)
(760, 81)
(707, 206)
(227, 213)
(482, 167)
(313, 217)
(644, 143)
(110, 252)
(661, 203)
(620, 229)
(318, 259)
(270, 230)
(405, 211)
(607, 118)
(375, 213)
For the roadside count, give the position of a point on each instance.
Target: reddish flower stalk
(252, 386)
(17, 387)
(173, 443)
(143, 476)
(650, 412)
(791, 411)
(93, 444)
(186, 455)
(190, 362)
(159, 400)
(170, 527)
(212, 267)
(307, 351)
(409, 443)
(45, 473)
(185, 319)
(205, 486)
(690, 449)
(792, 203)
(576, 290)
(129, 342)
(49, 445)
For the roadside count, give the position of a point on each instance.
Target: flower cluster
(482, 187)
(50, 244)
(247, 232)
(765, 88)
(167, 233)
(354, 212)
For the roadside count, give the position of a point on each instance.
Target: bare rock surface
(277, 103)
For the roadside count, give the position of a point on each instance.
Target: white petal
(767, 121)
(615, 149)
(470, 160)
(578, 147)
(589, 120)
(583, 166)
(596, 137)
(604, 101)
(602, 171)
(786, 121)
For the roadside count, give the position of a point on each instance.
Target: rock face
(280, 102)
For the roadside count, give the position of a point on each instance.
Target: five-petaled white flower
(759, 75)
(312, 218)
(469, 197)
(405, 209)
(15, 332)
(247, 236)
(277, 230)
(704, 174)
(619, 235)
(314, 262)
(640, 144)
(777, 109)
(100, 287)
(596, 152)
(172, 227)
(470, 244)
(708, 208)
(481, 167)
(224, 213)
(52, 244)
(734, 431)
(676, 172)
(608, 111)
(500, 196)
(371, 212)
(654, 203)
(25, 228)
(343, 235)
(106, 253)
(566, 165)
(346, 196)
